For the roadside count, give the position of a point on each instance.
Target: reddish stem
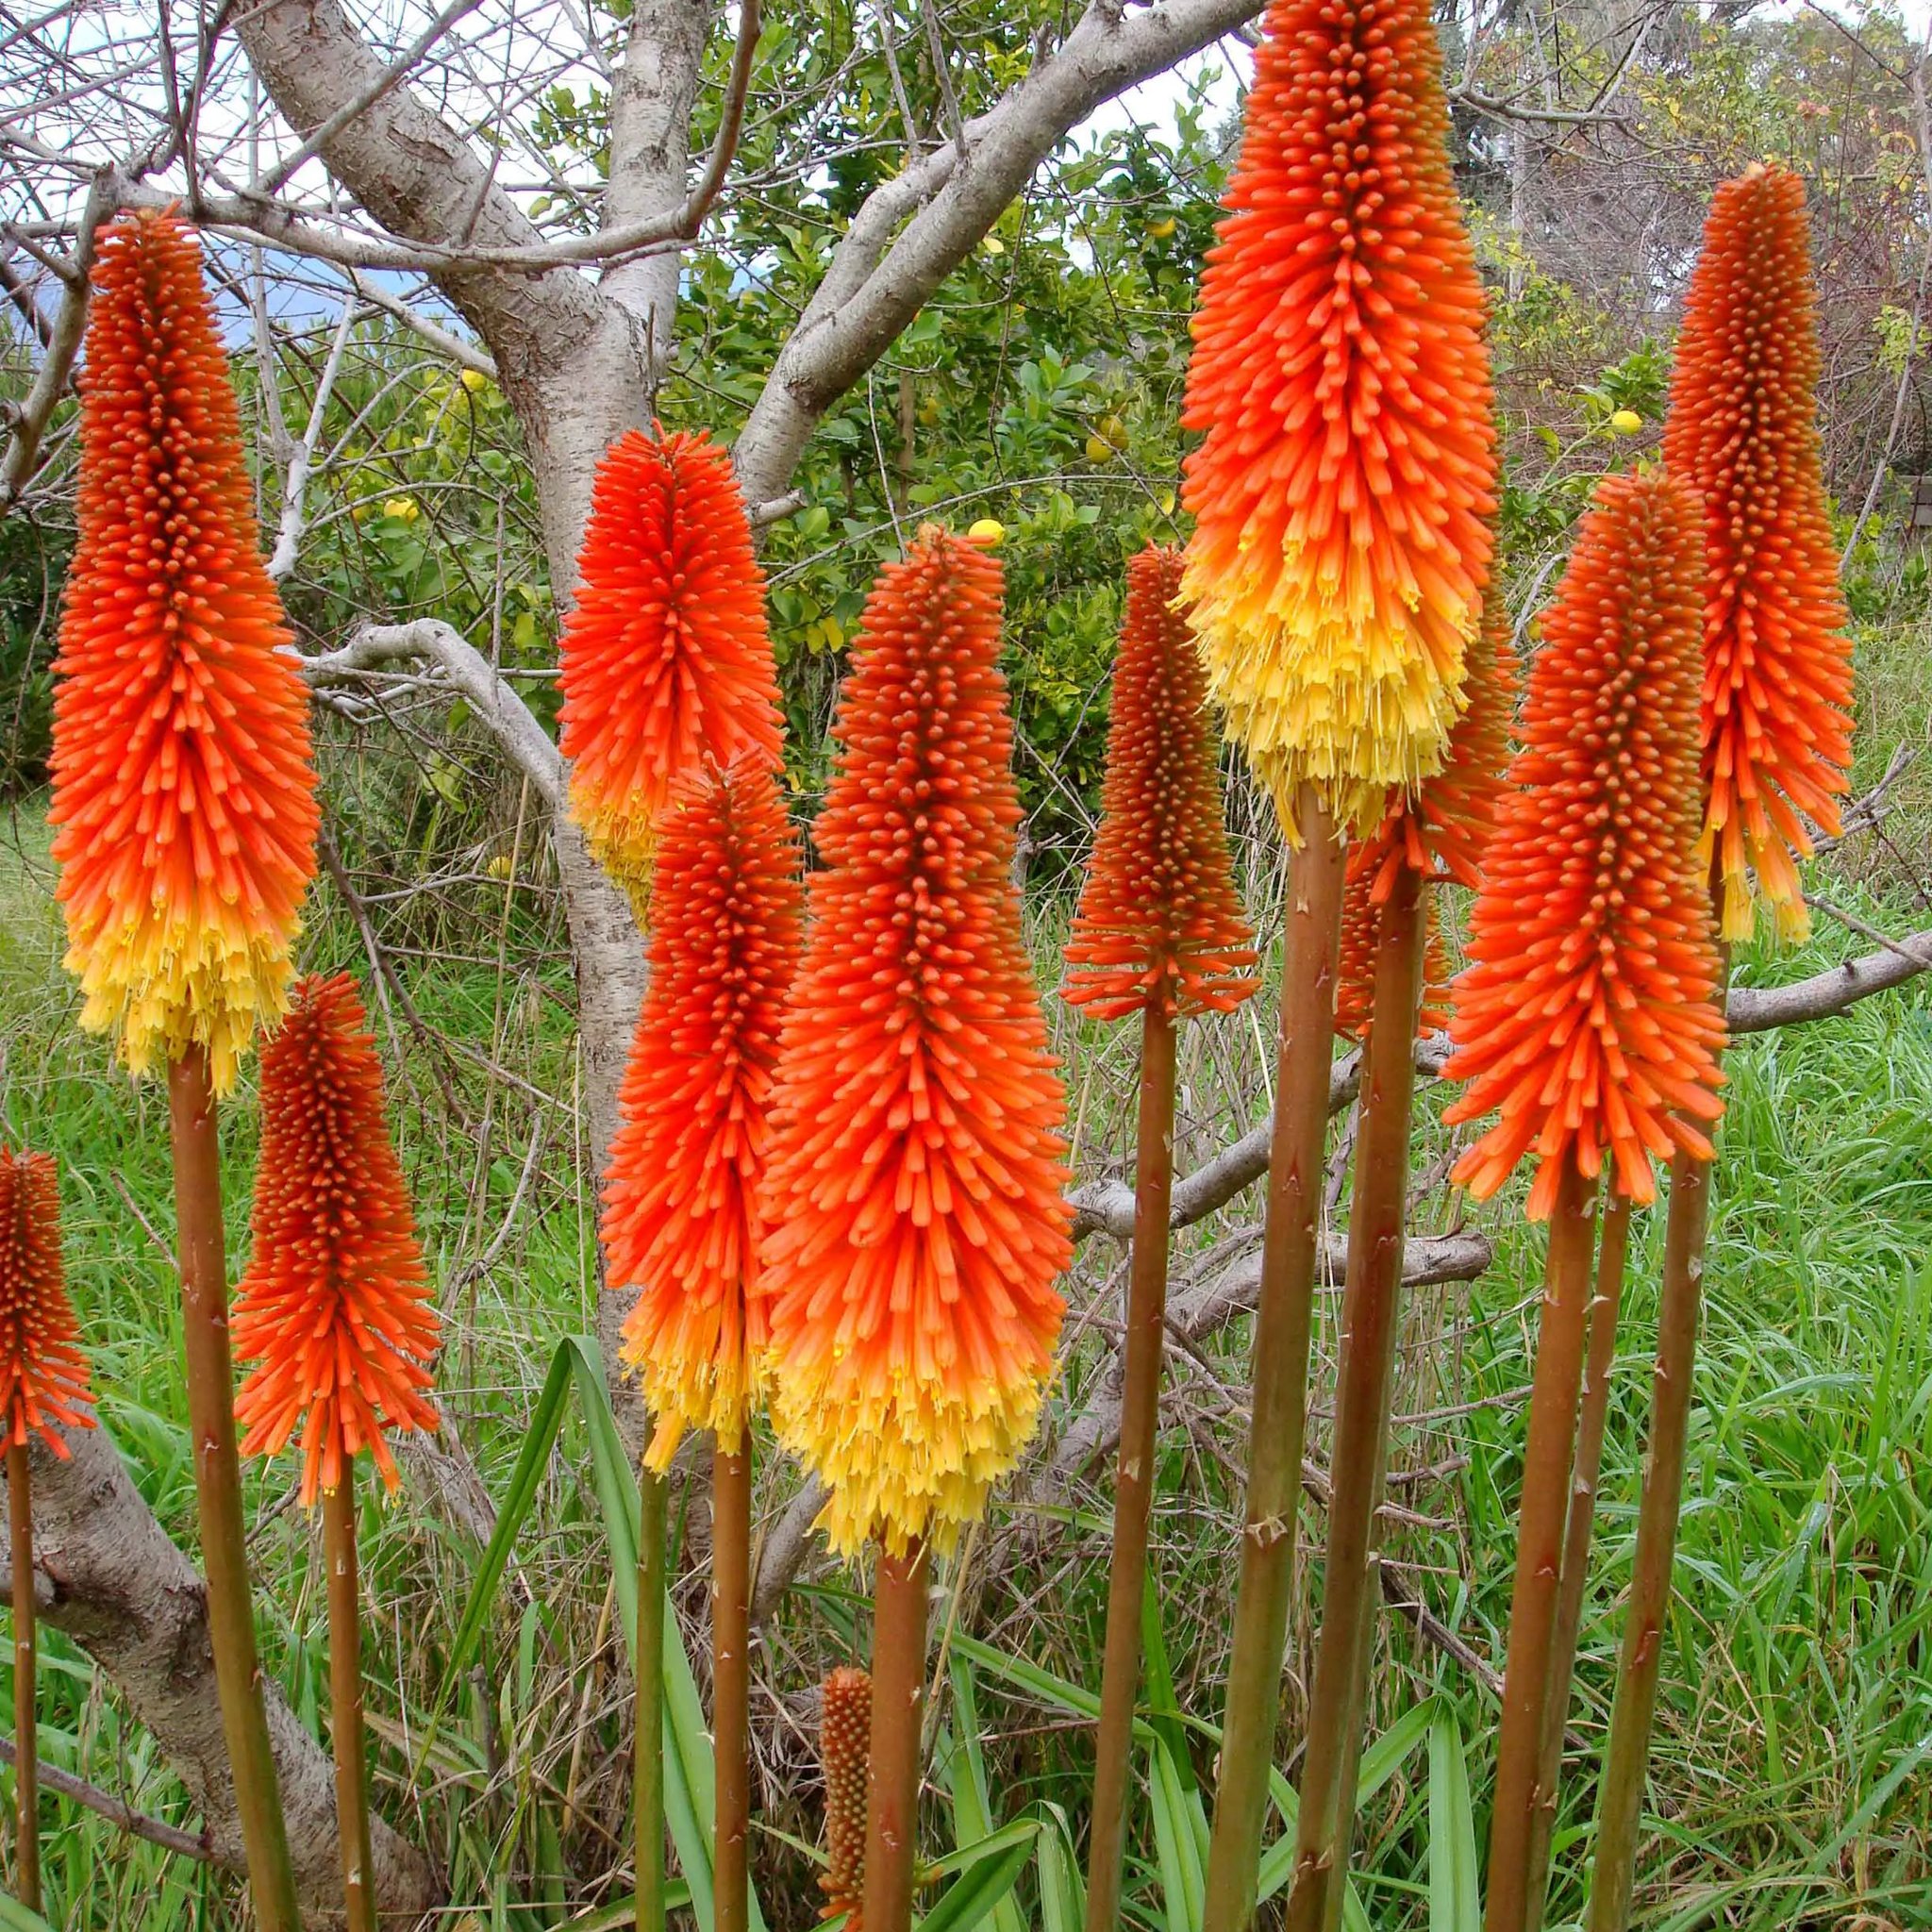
(731, 1681)
(26, 1729)
(898, 1704)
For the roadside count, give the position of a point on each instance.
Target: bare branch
(302, 457)
(124, 1817)
(525, 741)
(56, 365)
(440, 340)
(1758, 1009)
(879, 278)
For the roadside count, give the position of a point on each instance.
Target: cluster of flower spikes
(1588, 1016)
(913, 1194)
(1440, 828)
(335, 1308)
(1743, 429)
(44, 1376)
(1341, 381)
(681, 1193)
(844, 1745)
(1159, 924)
(665, 658)
(184, 795)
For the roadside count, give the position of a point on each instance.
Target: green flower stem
(1133, 1491)
(1620, 1799)
(1613, 1247)
(1283, 1326)
(1547, 1460)
(26, 1730)
(1370, 1305)
(218, 1490)
(898, 1703)
(647, 1743)
(345, 1701)
(731, 1681)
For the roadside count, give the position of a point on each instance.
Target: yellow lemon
(403, 509)
(1626, 421)
(1160, 230)
(992, 245)
(474, 380)
(987, 532)
(1098, 450)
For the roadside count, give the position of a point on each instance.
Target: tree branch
(124, 1817)
(876, 282)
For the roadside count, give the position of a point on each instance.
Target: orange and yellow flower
(1743, 429)
(844, 1740)
(1339, 375)
(1442, 830)
(1587, 1018)
(44, 1376)
(184, 796)
(335, 1308)
(665, 658)
(680, 1199)
(913, 1195)
(1159, 922)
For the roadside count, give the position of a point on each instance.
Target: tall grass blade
(1455, 1900)
(972, 1804)
(974, 1897)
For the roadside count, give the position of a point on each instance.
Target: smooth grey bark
(108, 1574)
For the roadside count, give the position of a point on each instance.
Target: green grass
(1792, 1781)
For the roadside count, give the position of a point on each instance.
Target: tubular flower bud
(1340, 547)
(1743, 429)
(1354, 976)
(44, 1376)
(666, 659)
(1158, 922)
(913, 1200)
(334, 1306)
(1587, 1018)
(844, 1745)
(184, 796)
(680, 1200)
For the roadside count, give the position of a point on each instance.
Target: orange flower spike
(665, 658)
(680, 1199)
(844, 1740)
(1339, 374)
(44, 1376)
(913, 1195)
(184, 795)
(1588, 1017)
(335, 1308)
(1158, 919)
(1742, 427)
(1354, 976)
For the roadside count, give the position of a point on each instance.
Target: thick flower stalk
(914, 1186)
(334, 1310)
(1340, 378)
(184, 799)
(1587, 1019)
(1742, 429)
(1160, 922)
(665, 658)
(1159, 931)
(44, 1376)
(681, 1221)
(1354, 973)
(845, 1736)
(43, 1380)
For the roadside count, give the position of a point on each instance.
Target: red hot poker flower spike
(666, 659)
(1341, 378)
(1588, 1016)
(183, 792)
(1742, 427)
(913, 1195)
(334, 1306)
(680, 1200)
(1159, 920)
(44, 1376)
(844, 1743)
